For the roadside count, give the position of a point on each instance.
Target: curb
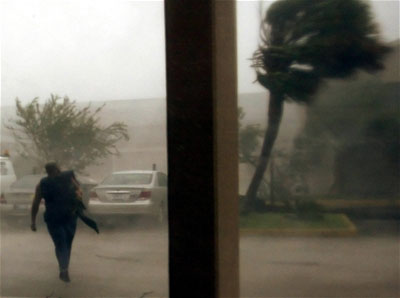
(343, 203)
(350, 231)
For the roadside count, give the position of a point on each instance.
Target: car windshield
(128, 179)
(27, 182)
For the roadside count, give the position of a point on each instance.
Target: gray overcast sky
(88, 50)
(105, 50)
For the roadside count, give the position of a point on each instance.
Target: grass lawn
(292, 221)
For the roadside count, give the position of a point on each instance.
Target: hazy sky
(105, 50)
(88, 50)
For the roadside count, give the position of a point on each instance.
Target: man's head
(52, 168)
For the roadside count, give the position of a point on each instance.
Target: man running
(60, 191)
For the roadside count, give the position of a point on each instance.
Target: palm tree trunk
(275, 111)
(272, 182)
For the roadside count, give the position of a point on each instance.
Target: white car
(131, 192)
(18, 198)
(7, 176)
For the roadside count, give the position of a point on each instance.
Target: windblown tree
(59, 131)
(304, 42)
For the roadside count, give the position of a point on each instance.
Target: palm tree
(304, 42)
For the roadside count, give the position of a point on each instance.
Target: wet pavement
(119, 262)
(131, 259)
(320, 267)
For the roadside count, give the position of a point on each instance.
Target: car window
(162, 179)
(128, 179)
(27, 182)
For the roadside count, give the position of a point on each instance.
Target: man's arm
(35, 207)
(78, 189)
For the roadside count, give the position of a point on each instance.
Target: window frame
(202, 148)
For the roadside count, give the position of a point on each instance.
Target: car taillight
(144, 195)
(2, 199)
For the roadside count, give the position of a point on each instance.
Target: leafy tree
(303, 43)
(59, 131)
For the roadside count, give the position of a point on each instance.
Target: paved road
(116, 263)
(132, 262)
(320, 267)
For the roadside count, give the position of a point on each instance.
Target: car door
(7, 175)
(161, 183)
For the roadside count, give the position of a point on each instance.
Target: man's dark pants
(63, 234)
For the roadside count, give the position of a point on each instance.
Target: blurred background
(89, 77)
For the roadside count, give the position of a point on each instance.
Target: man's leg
(70, 229)
(58, 234)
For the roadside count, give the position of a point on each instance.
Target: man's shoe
(64, 276)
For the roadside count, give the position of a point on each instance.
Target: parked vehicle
(7, 176)
(18, 199)
(131, 192)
